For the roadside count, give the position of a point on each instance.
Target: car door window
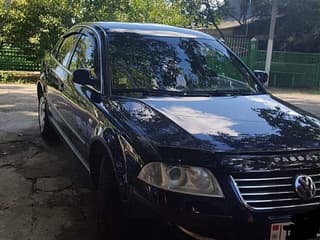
(56, 47)
(66, 48)
(86, 56)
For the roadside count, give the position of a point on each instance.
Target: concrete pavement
(45, 194)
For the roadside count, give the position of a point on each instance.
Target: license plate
(278, 232)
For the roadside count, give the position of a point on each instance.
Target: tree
(35, 25)
(213, 12)
(298, 27)
(191, 9)
(204, 12)
(154, 12)
(4, 6)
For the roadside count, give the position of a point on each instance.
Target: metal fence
(238, 44)
(292, 69)
(288, 69)
(12, 58)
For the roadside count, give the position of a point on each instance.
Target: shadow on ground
(45, 193)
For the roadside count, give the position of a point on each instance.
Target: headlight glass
(180, 178)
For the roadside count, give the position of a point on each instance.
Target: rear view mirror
(83, 76)
(262, 76)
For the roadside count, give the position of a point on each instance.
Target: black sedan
(169, 121)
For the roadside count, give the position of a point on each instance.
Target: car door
(57, 75)
(81, 110)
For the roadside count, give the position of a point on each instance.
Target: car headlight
(180, 178)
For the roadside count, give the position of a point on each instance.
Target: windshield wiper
(162, 92)
(217, 92)
(234, 92)
(191, 93)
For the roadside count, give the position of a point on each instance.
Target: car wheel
(46, 129)
(110, 215)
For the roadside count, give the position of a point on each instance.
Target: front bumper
(208, 218)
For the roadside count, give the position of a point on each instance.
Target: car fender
(112, 147)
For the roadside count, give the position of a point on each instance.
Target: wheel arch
(98, 147)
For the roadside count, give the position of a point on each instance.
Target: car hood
(230, 124)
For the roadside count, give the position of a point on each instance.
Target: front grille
(268, 192)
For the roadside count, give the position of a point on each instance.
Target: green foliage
(4, 77)
(298, 25)
(35, 25)
(154, 12)
(203, 12)
(18, 77)
(299, 29)
(191, 9)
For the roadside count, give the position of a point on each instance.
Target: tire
(47, 131)
(111, 222)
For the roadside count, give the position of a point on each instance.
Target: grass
(18, 77)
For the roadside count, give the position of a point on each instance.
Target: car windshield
(176, 65)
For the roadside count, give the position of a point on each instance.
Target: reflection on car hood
(237, 124)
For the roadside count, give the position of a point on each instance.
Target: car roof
(149, 29)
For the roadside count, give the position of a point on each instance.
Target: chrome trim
(267, 193)
(286, 207)
(238, 193)
(273, 200)
(246, 203)
(66, 139)
(264, 186)
(260, 179)
(314, 175)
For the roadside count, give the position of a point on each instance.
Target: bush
(18, 77)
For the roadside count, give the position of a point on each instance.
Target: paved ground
(308, 102)
(44, 192)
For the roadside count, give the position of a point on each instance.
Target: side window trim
(72, 51)
(97, 37)
(78, 34)
(57, 47)
(87, 31)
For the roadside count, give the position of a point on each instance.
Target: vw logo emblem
(305, 187)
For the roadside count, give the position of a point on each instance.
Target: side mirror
(262, 76)
(83, 76)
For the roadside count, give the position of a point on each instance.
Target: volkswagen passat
(172, 120)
